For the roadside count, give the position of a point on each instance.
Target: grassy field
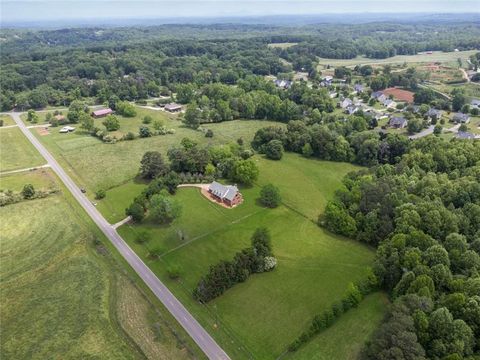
(16, 152)
(264, 314)
(41, 179)
(285, 45)
(7, 120)
(344, 339)
(437, 56)
(95, 165)
(59, 294)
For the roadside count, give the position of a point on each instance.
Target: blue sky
(41, 10)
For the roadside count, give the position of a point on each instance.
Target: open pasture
(16, 152)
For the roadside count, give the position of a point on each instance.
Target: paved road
(193, 328)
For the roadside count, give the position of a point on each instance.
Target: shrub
(273, 150)
(28, 191)
(142, 237)
(144, 131)
(155, 252)
(136, 211)
(307, 150)
(147, 119)
(174, 271)
(100, 194)
(129, 136)
(126, 109)
(246, 154)
(209, 133)
(270, 196)
(270, 263)
(111, 123)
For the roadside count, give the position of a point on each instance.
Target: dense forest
(55, 67)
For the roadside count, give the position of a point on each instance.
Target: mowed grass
(437, 56)
(305, 184)
(16, 152)
(261, 316)
(7, 120)
(64, 298)
(345, 338)
(41, 179)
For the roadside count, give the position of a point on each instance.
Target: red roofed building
(102, 112)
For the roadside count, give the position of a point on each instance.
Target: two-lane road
(188, 322)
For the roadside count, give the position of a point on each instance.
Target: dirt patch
(43, 131)
(399, 94)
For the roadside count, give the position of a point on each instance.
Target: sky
(12, 11)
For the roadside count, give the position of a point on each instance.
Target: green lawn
(41, 179)
(16, 152)
(7, 120)
(309, 192)
(344, 340)
(264, 314)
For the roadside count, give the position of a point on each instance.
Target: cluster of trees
(381, 41)
(270, 196)
(8, 197)
(230, 161)
(222, 276)
(252, 98)
(327, 137)
(352, 297)
(423, 215)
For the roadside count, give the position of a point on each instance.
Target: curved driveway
(188, 322)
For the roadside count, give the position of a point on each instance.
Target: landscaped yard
(264, 314)
(16, 151)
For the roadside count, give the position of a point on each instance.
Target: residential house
(461, 118)
(359, 88)
(465, 135)
(227, 194)
(352, 109)
(172, 107)
(389, 104)
(284, 84)
(345, 103)
(433, 113)
(332, 94)
(475, 103)
(398, 122)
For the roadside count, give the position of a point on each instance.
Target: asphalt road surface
(188, 322)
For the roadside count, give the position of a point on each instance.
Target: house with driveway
(461, 118)
(227, 194)
(398, 122)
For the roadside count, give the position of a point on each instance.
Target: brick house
(228, 194)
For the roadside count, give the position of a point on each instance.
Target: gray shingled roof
(223, 191)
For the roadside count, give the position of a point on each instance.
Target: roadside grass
(262, 316)
(63, 295)
(7, 120)
(436, 56)
(118, 199)
(16, 152)
(345, 338)
(41, 179)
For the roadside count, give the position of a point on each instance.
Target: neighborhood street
(186, 320)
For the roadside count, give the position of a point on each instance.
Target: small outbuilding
(172, 107)
(101, 113)
(227, 194)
